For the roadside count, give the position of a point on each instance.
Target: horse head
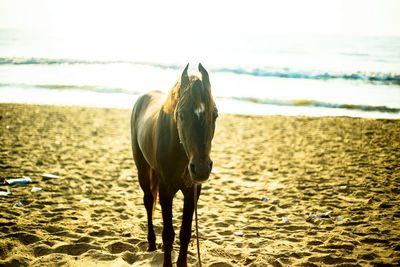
(195, 116)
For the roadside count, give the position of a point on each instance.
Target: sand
(285, 191)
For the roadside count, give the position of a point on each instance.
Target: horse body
(171, 143)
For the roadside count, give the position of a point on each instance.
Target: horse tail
(154, 188)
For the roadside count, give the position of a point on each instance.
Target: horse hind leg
(150, 201)
(149, 184)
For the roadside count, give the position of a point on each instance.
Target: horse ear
(204, 76)
(185, 76)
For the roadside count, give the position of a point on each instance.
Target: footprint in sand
(75, 249)
(118, 247)
(25, 238)
(102, 233)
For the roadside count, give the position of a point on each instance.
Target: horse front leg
(186, 227)
(168, 234)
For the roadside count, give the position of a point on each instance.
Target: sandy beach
(284, 191)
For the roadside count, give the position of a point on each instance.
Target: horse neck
(168, 123)
(168, 110)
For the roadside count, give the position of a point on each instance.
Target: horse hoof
(181, 264)
(152, 247)
(167, 263)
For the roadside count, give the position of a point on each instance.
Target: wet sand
(285, 191)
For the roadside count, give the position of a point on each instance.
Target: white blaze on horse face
(200, 109)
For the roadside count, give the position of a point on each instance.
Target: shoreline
(273, 179)
(227, 104)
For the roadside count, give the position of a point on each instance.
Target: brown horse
(171, 144)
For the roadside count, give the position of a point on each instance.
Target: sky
(174, 17)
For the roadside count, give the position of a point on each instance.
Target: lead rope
(197, 224)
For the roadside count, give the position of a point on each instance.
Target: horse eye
(215, 114)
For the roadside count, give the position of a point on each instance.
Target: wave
(387, 78)
(60, 87)
(64, 61)
(316, 104)
(39, 61)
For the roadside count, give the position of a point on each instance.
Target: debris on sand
(285, 219)
(339, 218)
(48, 176)
(18, 205)
(5, 193)
(20, 181)
(343, 188)
(238, 233)
(36, 189)
(320, 215)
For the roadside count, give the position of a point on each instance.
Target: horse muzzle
(200, 170)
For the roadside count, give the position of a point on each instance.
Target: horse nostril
(192, 168)
(211, 165)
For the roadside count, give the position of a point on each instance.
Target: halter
(189, 183)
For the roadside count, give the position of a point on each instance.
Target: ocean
(250, 73)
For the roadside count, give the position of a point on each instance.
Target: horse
(171, 144)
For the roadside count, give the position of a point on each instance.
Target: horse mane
(172, 99)
(191, 93)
